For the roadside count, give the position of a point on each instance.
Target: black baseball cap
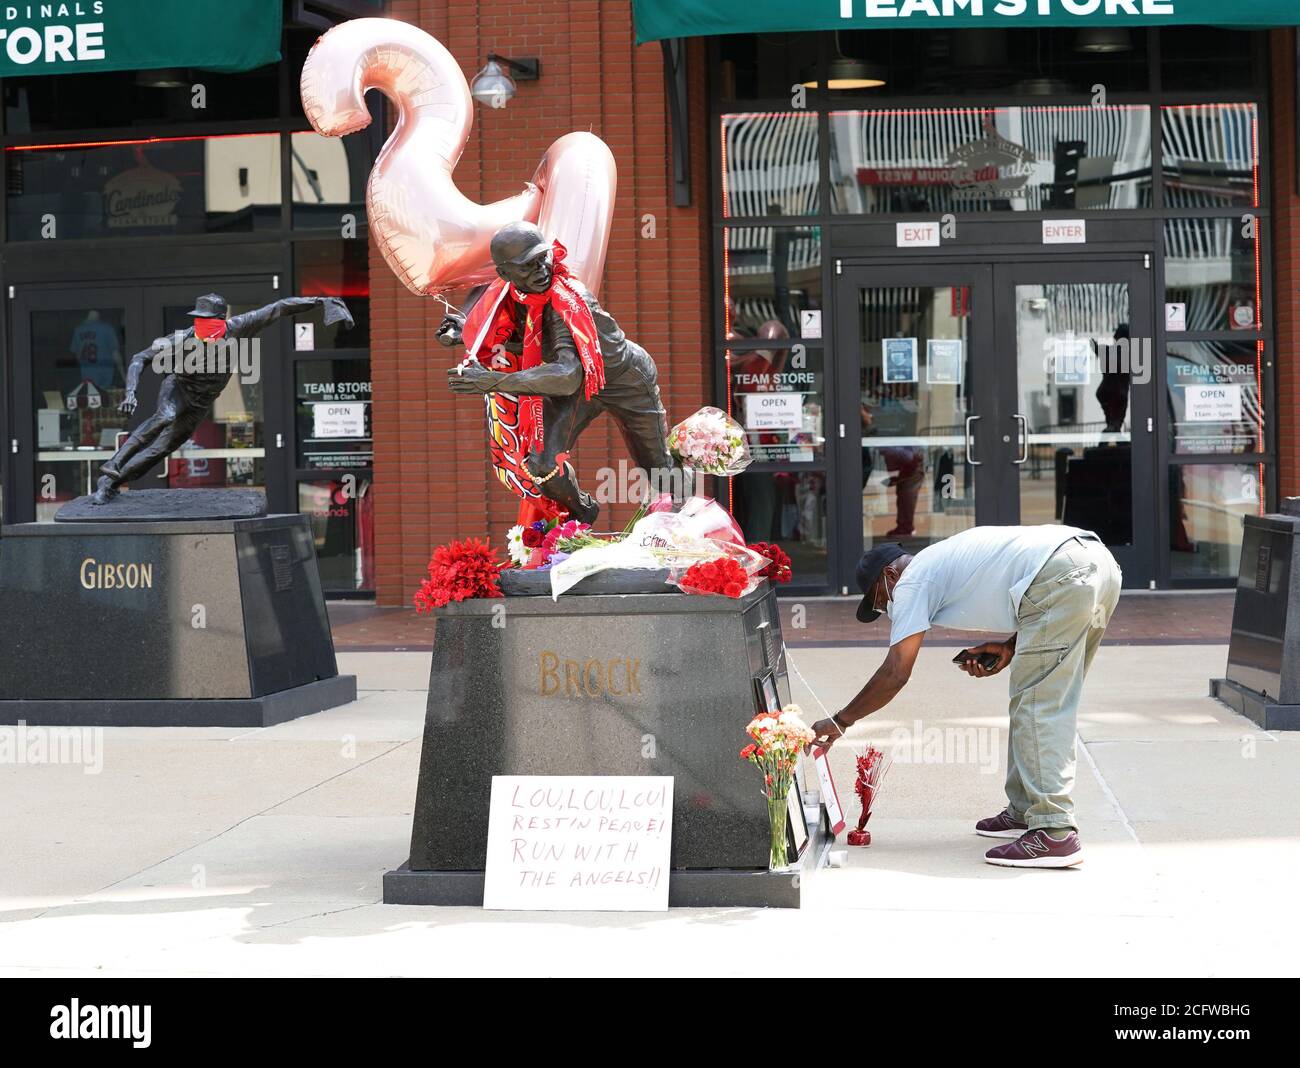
(873, 562)
(209, 306)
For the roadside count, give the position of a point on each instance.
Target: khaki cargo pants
(1062, 617)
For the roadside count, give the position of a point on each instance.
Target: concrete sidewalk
(218, 852)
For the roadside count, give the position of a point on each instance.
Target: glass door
(71, 347)
(1074, 430)
(916, 405)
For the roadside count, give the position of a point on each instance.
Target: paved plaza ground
(227, 852)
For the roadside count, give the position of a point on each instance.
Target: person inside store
(1054, 589)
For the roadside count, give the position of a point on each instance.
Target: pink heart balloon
(432, 236)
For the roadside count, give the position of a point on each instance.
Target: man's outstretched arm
(881, 688)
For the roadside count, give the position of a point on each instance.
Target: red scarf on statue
(515, 422)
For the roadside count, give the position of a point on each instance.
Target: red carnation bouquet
(458, 572)
(722, 575)
(779, 570)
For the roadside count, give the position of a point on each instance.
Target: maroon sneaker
(1003, 825)
(1036, 849)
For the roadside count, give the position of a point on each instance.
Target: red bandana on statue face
(209, 329)
(515, 422)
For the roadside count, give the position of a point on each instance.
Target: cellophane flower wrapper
(701, 530)
(750, 562)
(710, 441)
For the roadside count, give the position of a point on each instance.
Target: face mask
(209, 329)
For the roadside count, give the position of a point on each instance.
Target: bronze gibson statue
(550, 359)
(201, 365)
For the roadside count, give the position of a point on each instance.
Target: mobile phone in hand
(988, 661)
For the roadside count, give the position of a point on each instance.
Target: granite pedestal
(1262, 680)
(201, 622)
(631, 684)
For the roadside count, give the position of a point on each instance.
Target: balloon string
(799, 675)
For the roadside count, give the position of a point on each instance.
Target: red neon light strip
(132, 141)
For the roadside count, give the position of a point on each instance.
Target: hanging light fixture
(494, 87)
(1103, 40)
(848, 73)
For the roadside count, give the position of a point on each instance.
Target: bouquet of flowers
(548, 541)
(721, 576)
(778, 570)
(457, 572)
(777, 740)
(710, 441)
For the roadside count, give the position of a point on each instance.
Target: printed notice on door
(596, 843)
(1217, 403)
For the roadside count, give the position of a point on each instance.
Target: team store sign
(939, 9)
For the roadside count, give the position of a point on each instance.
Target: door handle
(970, 442)
(1024, 438)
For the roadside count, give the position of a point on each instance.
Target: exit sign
(917, 235)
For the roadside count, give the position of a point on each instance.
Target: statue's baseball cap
(517, 243)
(209, 306)
(873, 562)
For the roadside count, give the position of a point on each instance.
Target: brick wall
(432, 480)
(1286, 258)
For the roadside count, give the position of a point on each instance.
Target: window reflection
(990, 159)
(186, 185)
(1207, 504)
(778, 396)
(789, 509)
(1213, 393)
(769, 164)
(773, 276)
(1212, 269)
(342, 516)
(1210, 155)
(328, 180)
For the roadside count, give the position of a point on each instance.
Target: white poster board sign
(339, 419)
(1175, 316)
(304, 337)
(591, 843)
(1213, 403)
(773, 411)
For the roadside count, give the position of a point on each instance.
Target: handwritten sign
(597, 843)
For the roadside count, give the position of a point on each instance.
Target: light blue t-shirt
(973, 580)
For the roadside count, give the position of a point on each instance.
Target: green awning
(76, 36)
(657, 19)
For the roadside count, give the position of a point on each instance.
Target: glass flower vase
(777, 814)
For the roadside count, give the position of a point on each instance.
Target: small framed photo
(899, 358)
(943, 361)
(769, 698)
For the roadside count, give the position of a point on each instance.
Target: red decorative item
(723, 576)
(458, 572)
(779, 570)
(872, 766)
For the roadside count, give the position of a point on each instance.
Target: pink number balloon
(432, 236)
